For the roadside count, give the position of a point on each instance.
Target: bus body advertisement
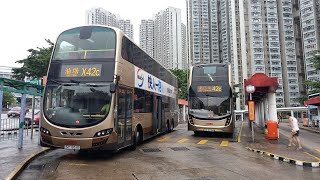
(210, 99)
(104, 92)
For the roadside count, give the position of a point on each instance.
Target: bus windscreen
(210, 92)
(87, 42)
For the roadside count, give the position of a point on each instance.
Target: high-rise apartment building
(185, 62)
(101, 16)
(104, 17)
(203, 32)
(164, 38)
(168, 38)
(147, 36)
(272, 48)
(255, 36)
(289, 62)
(126, 27)
(310, 33)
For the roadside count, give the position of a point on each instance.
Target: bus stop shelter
(9, 85)
(264, 97)
(314, 101)
(184, 105)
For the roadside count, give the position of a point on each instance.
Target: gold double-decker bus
(210, 96)
(104, 92)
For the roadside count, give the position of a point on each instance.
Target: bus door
(157, 114)
(124, 119)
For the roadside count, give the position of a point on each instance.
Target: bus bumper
(104, 143)
(199, 128)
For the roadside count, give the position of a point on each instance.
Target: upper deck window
(88, 42)
(210, 73)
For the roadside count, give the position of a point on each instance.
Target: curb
(286, 159)
(20, 167)
(310, 130)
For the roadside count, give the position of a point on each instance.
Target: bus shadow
(219, 135)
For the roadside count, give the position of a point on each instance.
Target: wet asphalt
(177, 155)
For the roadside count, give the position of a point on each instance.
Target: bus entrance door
(124, 120)
(157, 114)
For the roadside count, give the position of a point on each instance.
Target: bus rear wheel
(168, 126)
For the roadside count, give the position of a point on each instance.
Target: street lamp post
(250, 89)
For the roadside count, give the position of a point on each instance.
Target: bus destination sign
(91, 70)
(209, 88)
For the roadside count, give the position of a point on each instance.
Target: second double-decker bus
(210, 99)
(104, 92)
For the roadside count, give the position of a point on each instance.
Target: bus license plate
(209, 130)
(72, 147)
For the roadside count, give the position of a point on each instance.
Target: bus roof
(119, 31)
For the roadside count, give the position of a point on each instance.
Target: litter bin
(271, 131)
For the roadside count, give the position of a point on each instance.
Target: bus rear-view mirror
(112, 88)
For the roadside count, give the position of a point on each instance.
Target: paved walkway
(12, 158)
(277, 149)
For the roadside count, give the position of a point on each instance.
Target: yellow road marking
(239, 136)
(202, 142)
(163, 139)
(76, 164)
(318, 150)
(224, 143)
(183, 140)
(313, 156)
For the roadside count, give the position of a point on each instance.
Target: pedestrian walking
(294, 131)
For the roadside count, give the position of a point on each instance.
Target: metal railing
(9, 129)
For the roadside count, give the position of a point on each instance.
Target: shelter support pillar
(266, 109)
(262, 114)
(184, 113)
(39, 132)
(256, 110)
(1, 98)
(21, 122)
(272, 106)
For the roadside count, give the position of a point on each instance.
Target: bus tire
(172, 126)
(168, 126)
(196, 133)
(135, 140)
(134, 144)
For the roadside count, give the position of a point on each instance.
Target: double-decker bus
(104, 92)
(210, 97)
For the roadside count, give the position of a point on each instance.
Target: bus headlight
(103, 132)
(45, 131)
(228, 121)
(191, 121)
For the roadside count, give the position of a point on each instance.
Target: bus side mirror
(113, 88)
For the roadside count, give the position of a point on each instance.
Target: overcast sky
(26, 23)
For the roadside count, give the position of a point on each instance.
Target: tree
(316, 60)
(182, 76)
(8, 99)
(312, 86)
(36, 64)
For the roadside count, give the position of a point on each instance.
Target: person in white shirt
(294, 131)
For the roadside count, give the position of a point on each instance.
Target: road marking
(202, 142)
(313, 156)
(183, 140)
(163, 139)
(76, 164)
(239, 136)
(224, 143)
(318, 150)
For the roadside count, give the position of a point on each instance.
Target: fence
(9, 129)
